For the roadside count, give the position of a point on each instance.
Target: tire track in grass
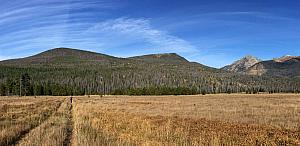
(57, 130)
(70, 127)
(15, 140)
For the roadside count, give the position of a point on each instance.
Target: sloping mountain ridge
(287, 58)
(62, 56)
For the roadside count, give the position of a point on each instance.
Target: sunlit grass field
(224, 119)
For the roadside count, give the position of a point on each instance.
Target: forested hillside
(65, 71)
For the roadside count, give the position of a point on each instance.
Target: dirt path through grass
(15, 140)
(56, 130)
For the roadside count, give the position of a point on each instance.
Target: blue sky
(212, 32)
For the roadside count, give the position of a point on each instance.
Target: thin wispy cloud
(140, 30)
(195, 29)
(40, 25)
(43, 25)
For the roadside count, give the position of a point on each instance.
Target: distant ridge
(287, 58)
(286, 66)
(75, 57)
(166, 57)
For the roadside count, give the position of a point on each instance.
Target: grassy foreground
(20, 115)
(189, 120)
(152, 120)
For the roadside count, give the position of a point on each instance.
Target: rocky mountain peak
(242, 65)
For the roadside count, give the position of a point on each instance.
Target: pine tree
(25, 85)
(2, 90)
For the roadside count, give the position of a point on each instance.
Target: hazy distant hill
(64, 71)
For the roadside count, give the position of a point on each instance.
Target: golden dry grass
(223, 119)
(52, 132)
(280, 110)
(189, 120)
(20, 115)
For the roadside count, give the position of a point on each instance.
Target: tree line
(59, 82)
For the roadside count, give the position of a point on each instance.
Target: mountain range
(65, 71)
(286, 66)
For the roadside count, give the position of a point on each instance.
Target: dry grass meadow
(225, 119)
